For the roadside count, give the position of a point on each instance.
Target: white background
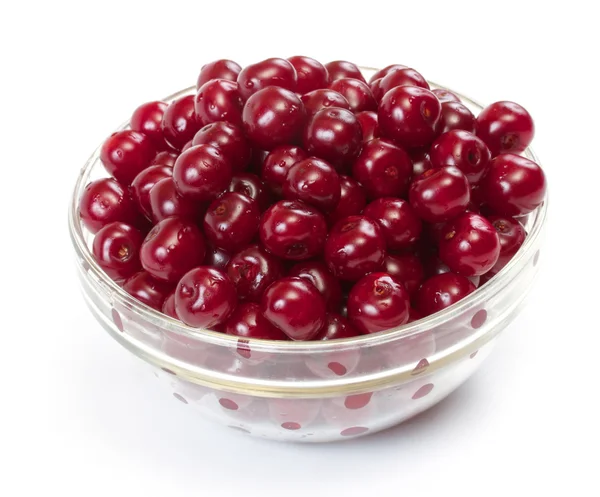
(80, 416)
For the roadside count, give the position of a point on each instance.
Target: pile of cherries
(294, 200)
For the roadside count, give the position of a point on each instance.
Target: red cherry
(319, 276)
(352, 200)
(399, 223)
(218, 69)
(356, 92)
(269, 72)
(339, 69)
(105, 201)
(219, 100)
(311, 74)
(505, 127)
(313, 181)
(148, 290)
(179, 124)
(116, 249)
(229, 139)
(126, 153)
(252, 270)
(441, 291)
(144, 182)
(317, 100)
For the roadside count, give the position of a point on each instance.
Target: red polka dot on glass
(423, 391)
(116, 317)
(353, 431)
(479, 319)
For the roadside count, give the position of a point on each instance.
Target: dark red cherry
(439, 194)
(248, 322)
(455, 115)
(116, 250)
(316, 272)
(269, 72)
(273, 116)
(218, 69)
(277, 164)
(216, 257)
(339, 69)
(147, 119)
(295, 307)
(205, 298)
(202, 172)
(252, 187)
(252, 270)
(441, 291)
(148, 290)
(352, 200)
(311, 74)
(173, 247)
(313, 181)
(513, 186)
(219, 100)
(105, 201)
(293, 230)
(126, 153)
(399, 223)
(383, 169)
(336, 327)
(512, 234)
(402, 77)
(166, 201)
(405, 268)
(355, 246)
(168, 306)
(444, 95)
(409, 115)
(469, 245)
(229, 139)
(333, 135)
(231, 221)
(421, 161)
(317, 100)
(382, 73)
(368, 125)
(378, 302)
(165, 158)
(144, 182)
(179, 124)
(505, 127)
(463, 150)
(356, 92)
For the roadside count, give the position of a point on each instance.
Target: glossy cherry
(116, 250)
(166, 201)
(202, 172)
(333, 135)
(513, 186)
(144, 182)
(355, 246)
(248, 322)
(368, 124)
(352, 200)
(216, 257)
(469, 245)
(252, 187)
(311, 74)
(273, 116)
(147, 289)
(383, 169)
(421, 161)
(378, 302)
(277, 164)
(231, 221)
(147, 119)
(455, 115)
(317, 100)
(463, 150)
(505, 127)
(165, 158)
(356, 92)
(339, 69)
(126, 153)
(229, 139)
(295, 307)
(179, 124)
(402, 77)
(439, 194)
(218, 69)
(512, 234)
(441, 291)
(293, 230)
(406, 268)
(399, 223)
(168, 306)
(205, 297)
(269, 72)
(173, 247)
(316, 273)
(336, 327)
(219, 100)
(444, 95)
(382, 73)
(409, 116)
(313, 181)
(105, 201)
(252, 270)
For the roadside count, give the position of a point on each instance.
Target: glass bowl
(310, 391)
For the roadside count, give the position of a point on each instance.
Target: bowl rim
(493, 286)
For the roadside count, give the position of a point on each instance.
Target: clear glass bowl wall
(309, 391)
